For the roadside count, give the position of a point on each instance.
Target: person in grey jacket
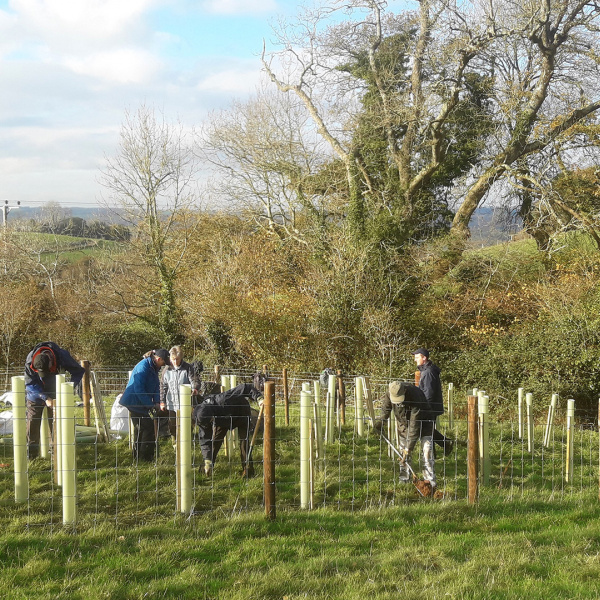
(177, 374)
(414, 422)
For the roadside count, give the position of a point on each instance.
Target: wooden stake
(86, 392)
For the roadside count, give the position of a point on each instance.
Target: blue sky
(69, 69)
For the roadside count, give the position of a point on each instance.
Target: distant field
(68, 248)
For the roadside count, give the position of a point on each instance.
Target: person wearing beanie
(431, 385)
(43, 363)
(142, 398)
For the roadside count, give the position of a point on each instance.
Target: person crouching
(219, 413)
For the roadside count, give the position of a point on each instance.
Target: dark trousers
(34, 423)
(144, 440)
(211, 440)
(440, 439)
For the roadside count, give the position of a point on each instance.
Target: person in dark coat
(142, 398)
(431, 385)
(414, 422)
(42, 364)
(219, 413)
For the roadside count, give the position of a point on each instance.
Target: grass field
(525, 549)
(531, 535)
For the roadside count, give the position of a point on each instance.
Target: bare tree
(151, 185)
(264, 157)
(537, 59)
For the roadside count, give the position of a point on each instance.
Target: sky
(70, 69)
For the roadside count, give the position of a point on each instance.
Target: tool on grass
(404, 462)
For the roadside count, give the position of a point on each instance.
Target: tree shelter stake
(184, 444)
(341, 397)
(269, 450)
(570, 445)
(359, 408)
(550, 421)
(520, 413)
(286, 396)
(306, 401)
(69, 472)
(530, 431)
(20, 439)
(484, 437)
(450, 406)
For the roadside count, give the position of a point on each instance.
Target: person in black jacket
(414, 422)
(42, 364)
(431, 385)
(219, 413)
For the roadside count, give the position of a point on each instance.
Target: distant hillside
(490, 225)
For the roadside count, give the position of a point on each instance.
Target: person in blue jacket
(142, 398)
(42, 364)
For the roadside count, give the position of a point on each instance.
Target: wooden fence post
(472, 450)
(86, 392)
(269, 450)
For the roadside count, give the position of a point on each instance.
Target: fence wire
(354, 472)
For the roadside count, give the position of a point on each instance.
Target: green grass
(524, 549)
(530, 535)
(69, 249)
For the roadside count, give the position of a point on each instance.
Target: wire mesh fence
(355, 470)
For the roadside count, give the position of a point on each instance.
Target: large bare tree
(151, 185)
(263, 158)
(538, 59)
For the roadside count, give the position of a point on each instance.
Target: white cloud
(234, 7)
(125, 65)
(232, 80)
(85, 19)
